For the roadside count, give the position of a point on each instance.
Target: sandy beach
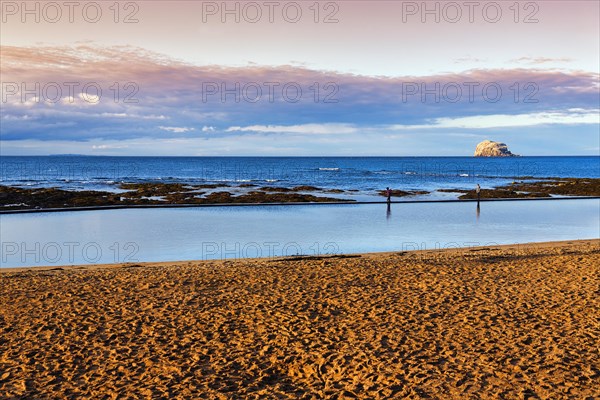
(512, 322)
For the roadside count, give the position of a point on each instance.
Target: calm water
(230, 232)
(365, 174)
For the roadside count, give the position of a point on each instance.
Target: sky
(304, 78)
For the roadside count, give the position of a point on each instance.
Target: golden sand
(502, 322)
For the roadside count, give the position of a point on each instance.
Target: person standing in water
(478, 191)
(388, 193)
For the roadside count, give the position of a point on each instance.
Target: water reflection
(388, 213)
(234, 232)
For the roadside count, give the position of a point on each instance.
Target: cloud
(569, 117)
(132, 116)
(154, 88)
(311, 129)
(176, 129)
(468, 59)
(89, 98)
(540, 60)
(9, 117)
(108, 147)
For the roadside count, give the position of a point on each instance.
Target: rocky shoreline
(550, 187)
(14, 198)
(151, 193)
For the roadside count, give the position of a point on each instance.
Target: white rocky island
(488, 148)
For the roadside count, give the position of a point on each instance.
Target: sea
(364, 176)
(138, 235)
(228, 233)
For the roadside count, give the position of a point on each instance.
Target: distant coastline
(282, 156)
